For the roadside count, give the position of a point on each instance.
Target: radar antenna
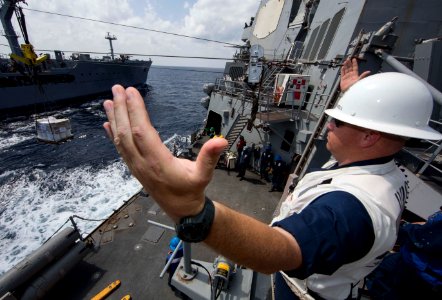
(111, 38)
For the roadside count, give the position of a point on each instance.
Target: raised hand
(350, 73)
(176, 184)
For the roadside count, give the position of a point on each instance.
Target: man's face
(342, 139)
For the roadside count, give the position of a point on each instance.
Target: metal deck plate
(154, 209)
(153, 234)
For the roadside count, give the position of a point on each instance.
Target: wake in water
(42, 185)
(43, 200)
(14, 133)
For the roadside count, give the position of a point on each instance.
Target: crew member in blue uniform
(266, 162)
(244, 162)
(336, 223)
(416, 269)
(173, 244)
(278, 169)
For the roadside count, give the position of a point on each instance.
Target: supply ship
(37, 83)
(274, 92)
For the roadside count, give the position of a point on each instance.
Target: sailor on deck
(334, 225)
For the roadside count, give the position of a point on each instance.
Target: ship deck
(133, 251)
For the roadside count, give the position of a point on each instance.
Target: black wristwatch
(196, 228)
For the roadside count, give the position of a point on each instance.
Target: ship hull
(58, 86)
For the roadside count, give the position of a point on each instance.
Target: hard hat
(174, 243)
(389, 102)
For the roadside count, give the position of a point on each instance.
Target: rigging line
(131, 26)
(138, 54)
(186, 70)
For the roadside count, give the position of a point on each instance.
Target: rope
(86, 219)
(135, 27)
(56, 231)
(69, 219)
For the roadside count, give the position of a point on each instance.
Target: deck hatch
(153, 234)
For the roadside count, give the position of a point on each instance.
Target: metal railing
(429, 155)
(316, 100)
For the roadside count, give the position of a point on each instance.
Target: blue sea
(42, 185)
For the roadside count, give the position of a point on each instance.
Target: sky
(221, 20)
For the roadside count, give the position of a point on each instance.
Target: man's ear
(370, 138)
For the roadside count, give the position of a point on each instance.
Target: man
(266, 162)
(240, 147)
(278, 169)
(244, 162)
(173, 244)
(314, 235)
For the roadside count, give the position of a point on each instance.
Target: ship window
(288, 139)
(310, 43)
(294, 11)
(330, 34)
(318, 41)
(236, 72)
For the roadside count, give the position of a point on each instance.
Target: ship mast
(111, 38)
(6, 10)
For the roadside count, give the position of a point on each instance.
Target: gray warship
(274, 92)
(37, 83)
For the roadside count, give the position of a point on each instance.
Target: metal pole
(398, 66)
(186, 248)
(160, 225)
(187, 258)
(171, 258)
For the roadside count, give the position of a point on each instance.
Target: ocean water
(42, 185)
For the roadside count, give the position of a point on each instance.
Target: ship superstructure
(287, 74)
(32, 83)
(274, 92)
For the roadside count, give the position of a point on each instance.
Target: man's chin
(327, 146)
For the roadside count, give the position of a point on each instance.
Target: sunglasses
(337, 122)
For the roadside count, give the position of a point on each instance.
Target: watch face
(192, 232)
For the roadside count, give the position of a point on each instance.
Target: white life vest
(382, 189)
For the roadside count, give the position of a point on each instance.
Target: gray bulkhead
(326, 32)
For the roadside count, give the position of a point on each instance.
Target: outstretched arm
(350, 73)
(178, 185)
(179, 182)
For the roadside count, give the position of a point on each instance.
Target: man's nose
(331, 125)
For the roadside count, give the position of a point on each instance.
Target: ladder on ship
(269, 80)
(235, 131)
(310, 147)
(267, 86)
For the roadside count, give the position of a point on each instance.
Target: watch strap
(196, 228)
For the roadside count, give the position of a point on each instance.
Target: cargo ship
(31, 83)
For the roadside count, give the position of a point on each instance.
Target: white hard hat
(391, 102)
